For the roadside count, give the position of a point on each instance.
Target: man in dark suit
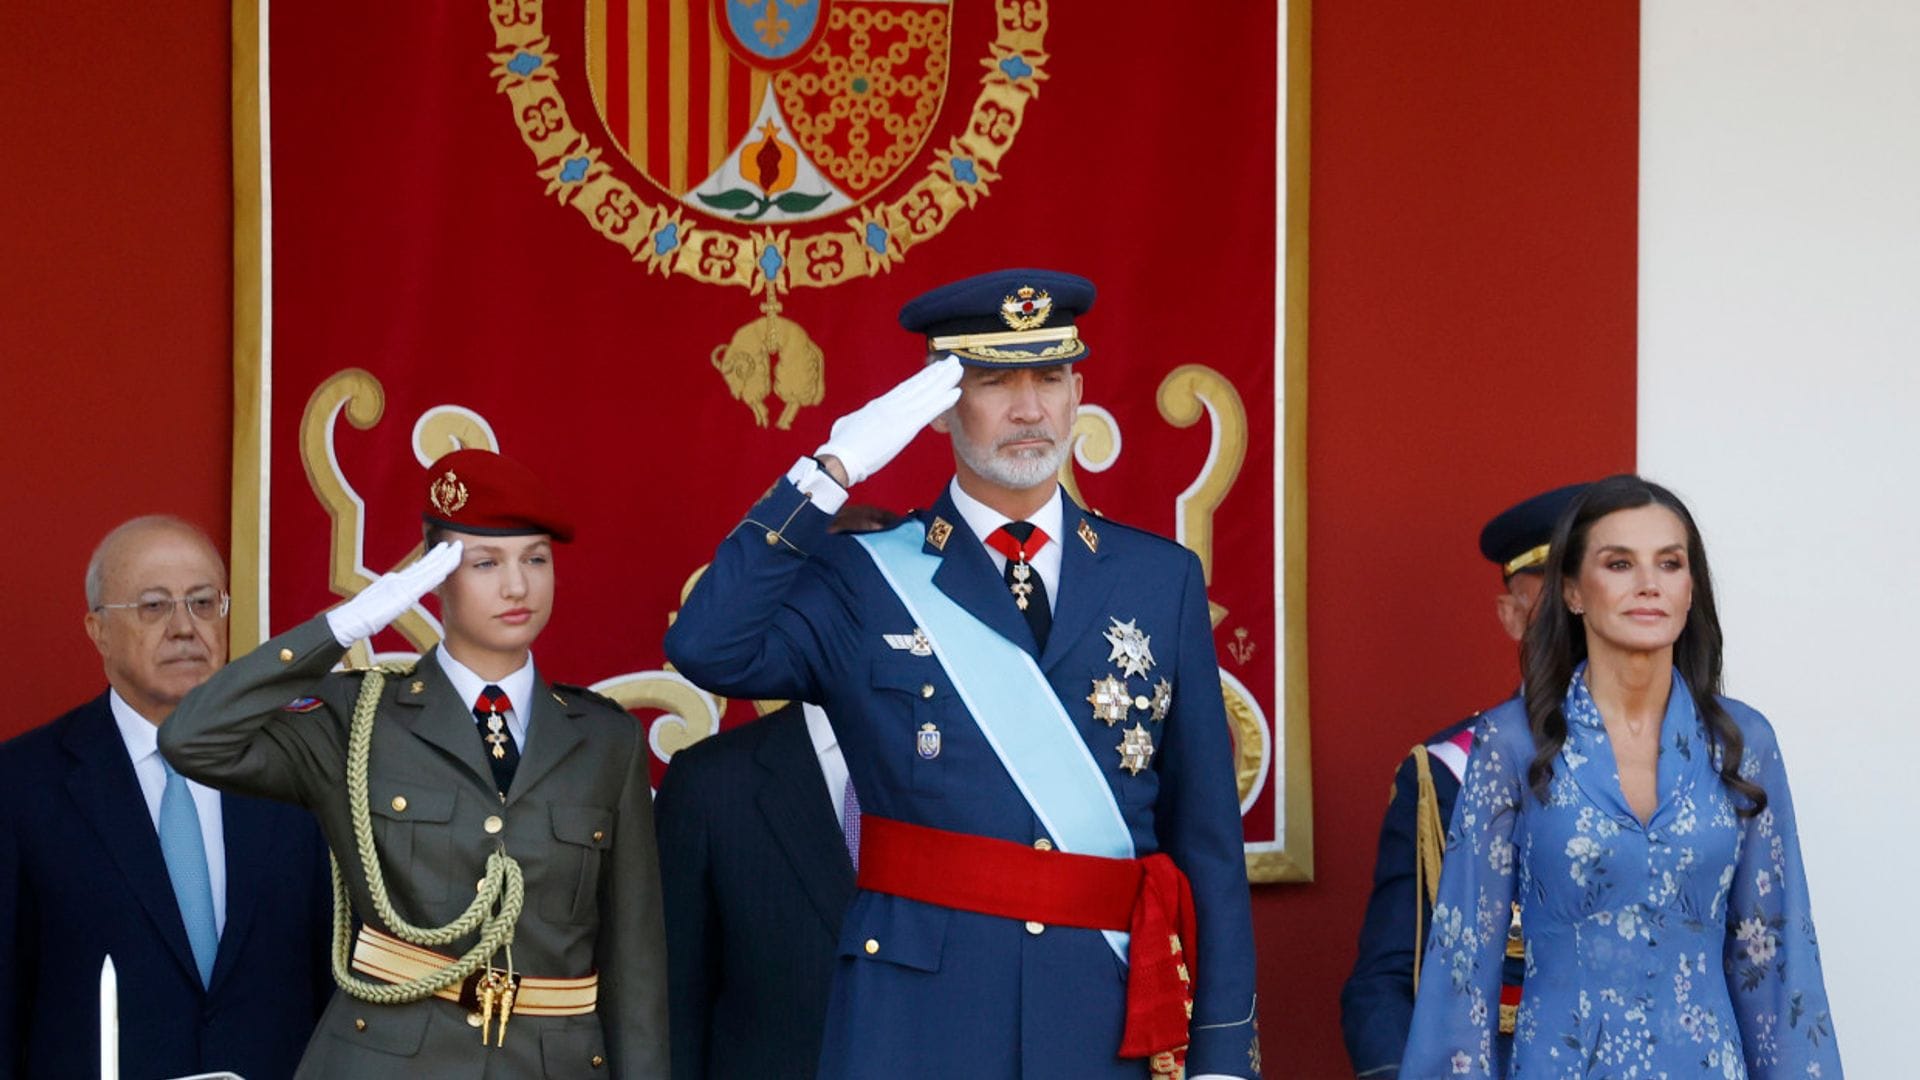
(213, 907)
(756, 876)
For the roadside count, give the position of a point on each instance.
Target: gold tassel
(1429, 838)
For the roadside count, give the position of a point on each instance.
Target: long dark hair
(1556, 640)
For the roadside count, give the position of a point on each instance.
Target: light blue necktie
(186, 854)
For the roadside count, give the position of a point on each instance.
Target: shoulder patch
(303, 704)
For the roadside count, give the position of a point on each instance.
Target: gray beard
(1028, 469)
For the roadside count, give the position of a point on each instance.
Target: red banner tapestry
(652, 247)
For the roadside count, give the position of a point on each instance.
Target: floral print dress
(1683, 947)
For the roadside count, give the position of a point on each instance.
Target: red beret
(478, 491)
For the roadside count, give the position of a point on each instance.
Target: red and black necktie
(1018, 541)
(503, 754)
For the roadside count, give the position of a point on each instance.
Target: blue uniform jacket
(787, 611)
(1376, 1004)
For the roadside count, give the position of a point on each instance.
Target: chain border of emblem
(668, 238)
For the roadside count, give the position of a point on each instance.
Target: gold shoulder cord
(504, 884)
(1428, 835)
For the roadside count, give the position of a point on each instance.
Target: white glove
(387, 599)
(867, 438)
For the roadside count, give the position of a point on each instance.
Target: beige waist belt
(387, 958)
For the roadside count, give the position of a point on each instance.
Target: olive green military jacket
(579, 819)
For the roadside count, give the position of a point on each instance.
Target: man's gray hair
(97, 565)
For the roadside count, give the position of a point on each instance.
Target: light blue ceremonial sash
(1013, 706)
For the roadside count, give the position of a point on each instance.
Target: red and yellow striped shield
(681, 83)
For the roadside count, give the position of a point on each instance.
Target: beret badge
(447, 494)
(1027, 309)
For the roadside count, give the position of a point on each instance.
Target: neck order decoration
(1016, 540)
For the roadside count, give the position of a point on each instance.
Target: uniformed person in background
(495, 831)
(1051, 875)
(1376, 1005)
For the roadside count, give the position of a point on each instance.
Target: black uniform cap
(1516, 539)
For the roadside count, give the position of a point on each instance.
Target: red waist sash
(1148, 898)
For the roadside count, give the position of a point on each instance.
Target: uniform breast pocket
(917, 689)
(583, 835)
(410, 825)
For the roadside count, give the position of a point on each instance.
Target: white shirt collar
(1049, 519)
(819, 729)
(141, 735)
(983, 519)
(518, 687)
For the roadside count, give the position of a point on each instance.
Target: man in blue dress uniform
(1051, 879)
(1376, 1005)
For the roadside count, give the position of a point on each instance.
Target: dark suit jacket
(755, 876)
(82, 877)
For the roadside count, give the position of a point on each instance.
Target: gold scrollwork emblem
(1189, 392)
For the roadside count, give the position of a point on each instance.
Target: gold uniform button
(926, 690)
(598, 836)
(596, 1061)
(493, 824)
(480, 886)
(474, 1019)
(286, 655)
(359, 1024)
(772, 538)
(399, 804)
(1043, 844)
(1034, 927)
(872, 946)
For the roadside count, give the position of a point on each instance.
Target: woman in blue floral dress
(1643, 825)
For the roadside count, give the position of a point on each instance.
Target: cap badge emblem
(447, 494)
(1027, 309)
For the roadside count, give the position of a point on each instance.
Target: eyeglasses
(205, 606)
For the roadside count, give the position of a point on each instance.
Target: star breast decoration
(1130, 647)
(1136, 749)
(1109, 700)
(1162, 700)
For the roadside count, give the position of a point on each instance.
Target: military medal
(1110, 700)
(916, 643)
(1015, 545)
(496, 735)
(1022, 588)
(929, 742)
(496, 731)
(1130, 647)
(1162, 700)
(1136, 749)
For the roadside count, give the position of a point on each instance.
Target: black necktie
(1023, 581)
(503, 755)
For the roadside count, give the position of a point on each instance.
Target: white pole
(109, 1022)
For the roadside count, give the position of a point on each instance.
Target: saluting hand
(867, 438)
(377, 605)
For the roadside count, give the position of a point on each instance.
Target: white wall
(1779, 340)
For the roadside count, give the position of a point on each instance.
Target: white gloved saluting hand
(377, 605)
(867, 438)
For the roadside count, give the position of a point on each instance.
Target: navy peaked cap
(1517, 538)
(1008, 318)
